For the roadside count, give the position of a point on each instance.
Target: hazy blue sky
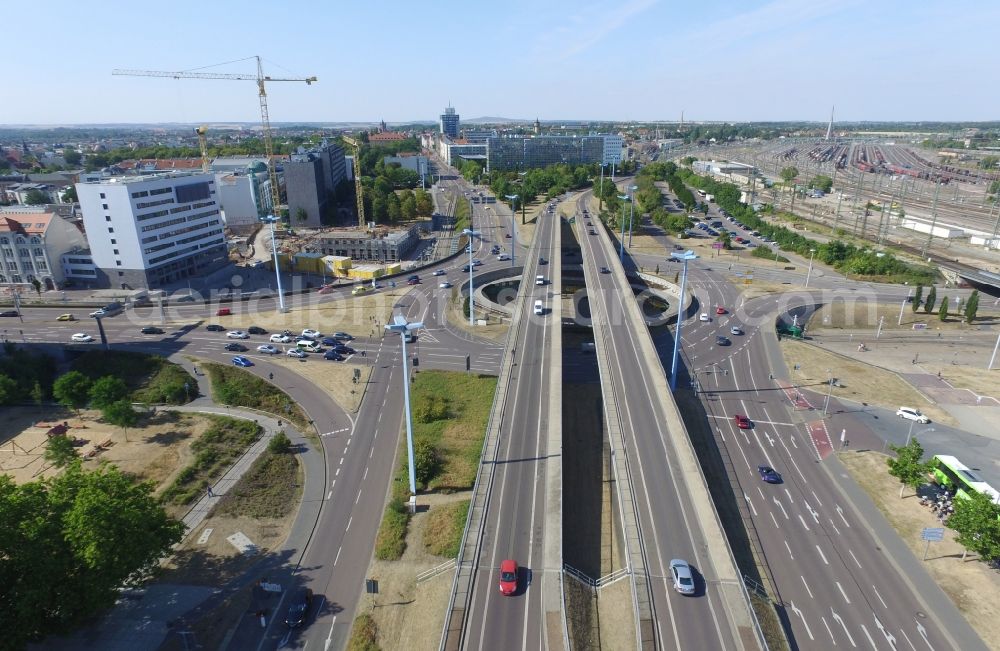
(553, 59)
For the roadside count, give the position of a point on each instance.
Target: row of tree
(967, 309)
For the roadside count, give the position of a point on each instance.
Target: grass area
(239, 388)
(767, 253)
(444, 528)
(269, 489)
(150, 378)
(215, 450)
(391, 540)
(364, 635)
(462, 214)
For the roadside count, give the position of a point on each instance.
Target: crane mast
(357, 179)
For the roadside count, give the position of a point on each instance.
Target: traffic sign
(933, 534)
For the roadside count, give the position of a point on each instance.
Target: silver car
(683, 578)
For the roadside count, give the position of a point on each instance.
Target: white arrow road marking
(840, 512)
(888, 636)
(923, 634)
(829, 632)
(812, 512)
(799, 613)
(750, 504)
(837, 618)
(782, 507)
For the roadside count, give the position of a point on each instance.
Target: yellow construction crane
(260, 78)
(357, 179)
(203, 143)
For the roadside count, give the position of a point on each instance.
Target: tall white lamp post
(404, 328)
(684, 257)
(472, 300)
(513, 232)
(270, 219)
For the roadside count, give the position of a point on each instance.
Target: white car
(539, 308)
(539, 280)
(311, 334)
(295, 352)
(280, 339)
(909, 413)
(704, 317)
(439, 272)
(267, 349)
(237, 334)
(476, 262)
(445, 285)
(503, 256)
(82, 337)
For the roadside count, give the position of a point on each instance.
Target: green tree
(72, 390)
(60, 451)
(995, 187)
(69, 196)
(37, 284)
(931, 300)
(971, 307)
(64, 552)
(789, 173)
(408, 207)
(425, 204)
(821, 182)
(917, 296)
(943, 310)
(989, 162)
(977, 521)
(907, 466)
(8, 390)
(35, 197)
(107, 390)
(37, 394)
(120, 414)
(72, 157)
(392, 207)
(426, 461)
(279, 444)
(301, 214)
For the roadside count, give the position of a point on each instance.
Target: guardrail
(434, 571)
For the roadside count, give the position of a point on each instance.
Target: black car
(10, 313)
(333, 355)
(256, 330)
(722, 341)
(605, 270)
(151, 330)
(298, 608)
(236, 348)
(215, 327)
(344, 350)
(542, 261)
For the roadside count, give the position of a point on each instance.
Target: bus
(958, 478)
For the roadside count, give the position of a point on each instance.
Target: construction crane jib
(265, 120)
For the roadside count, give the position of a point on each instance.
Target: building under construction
(379, 245)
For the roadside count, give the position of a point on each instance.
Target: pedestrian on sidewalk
(211, 493)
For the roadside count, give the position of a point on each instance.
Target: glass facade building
(539, 151)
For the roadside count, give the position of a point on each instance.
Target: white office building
(146, 232)
(613, 145)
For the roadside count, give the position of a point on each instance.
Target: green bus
(958, 478)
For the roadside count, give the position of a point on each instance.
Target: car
(267, 349)
(343, 336)
(237, 334)
(542, 261)
(742, 421)
(417, 278)
(909, 413)
(503, 256)
(445, 285)
(296, 352)
(475, 263)
(605, 270)
(682, 576)
(466, 268)
(223, 311)
(96, 314)
(592, 231)
(298, 608)
(81, 337)
(330, 341)
(151, 330)
(507, 235)
(508, 577)
(256, 330)
(722, 341)
(439, 272)
(309, 333)
(333, 355)
(234, 347)
(704, 317)
(65, 317)
(308, 345)
(280, 339)
(215, 327)
(344, 350)
(240, 360)
(359, 289)
(539, 308)
(540, 280)
(720, 310)
(736, 330)
(10, 313)
(769, 474)
(411, 281)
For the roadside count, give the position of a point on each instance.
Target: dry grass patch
(336, 378)
(494, 330)
(860, 382)
(971, 585)
(444, 527)
(859, 312)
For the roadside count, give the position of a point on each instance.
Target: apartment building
(310, 178)
(150, 231)
(31, 248)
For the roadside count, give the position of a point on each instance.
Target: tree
(279, 444)
(977, 521)
(425, 204)
(931, 300)
(989, 162)
(301, 214)
(72, 157)
(69, 196)
(60, 451)
(995, 187)
(426, 461)
(107, 390)
(821, 182)
(408, 207)
(392, 207)
(917, 297)
(37, 394)
(789, 173)
(121, 414)
(972, 307)
(71, 542)
(72, 390)
(907, 466)
(37, 284)
(8, 390)
(35, 197)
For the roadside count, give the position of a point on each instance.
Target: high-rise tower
(449, 122)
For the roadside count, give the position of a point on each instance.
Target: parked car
(62, 317)
(769, 474)
(344, 350)
(742, 421)
(215, 327)
(267, 349)
(343, 336)
(682, 576)
(909, 413)
(296, 352)
(330, 341)
(333, 355)
(508, 577)
(298, 608)
(311, 334)
(240, 360)
(10, 313)
(151, 330)
(256, 330)
(234, 347)
(237, 334)
(280, 339)
(81, 337)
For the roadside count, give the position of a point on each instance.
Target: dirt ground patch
(616, 617)
(410, 615)
(155, 450)
(972, 586)
(333, 377)
(494, 330)
(859, 382)
(861, 313)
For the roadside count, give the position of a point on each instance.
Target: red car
(742, 421)
(720, 310)
(508, 577)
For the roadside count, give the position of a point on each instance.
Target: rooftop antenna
(829, 127)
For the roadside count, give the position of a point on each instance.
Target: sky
(402, 61)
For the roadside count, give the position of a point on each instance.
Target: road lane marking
(349, 521)
(782, 507)
(855, 559)
(750, 504)
(329, 495)
(791, 556)
(842, 593)
(840, 512)
(807, 587)
(822, 555)
(832, 524)
(801, 617)
(337, 558)
(776, 525)
(875, 590)
(837, 618)
(828, 631)
(868, 635)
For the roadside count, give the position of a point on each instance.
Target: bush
(364, 635)
(269, 489)
(239, 388)
(427, 409)
(391, 540)
(426, 461)
(279, 444)
(149, 378)
(215, 450)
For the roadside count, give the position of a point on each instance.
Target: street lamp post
(472, 299)
(522, 175)
(631, 213)
(401, 326)
(829, 391)
(812, 252)
(513, 233)
(684, 257)
(621, 240)
(270, 219)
